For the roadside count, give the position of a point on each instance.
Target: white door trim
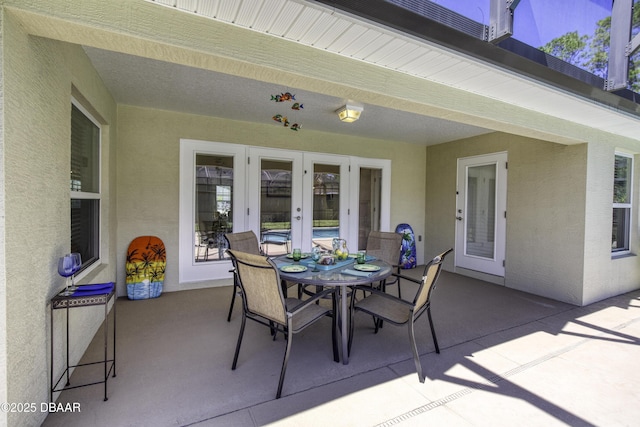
(493, 264)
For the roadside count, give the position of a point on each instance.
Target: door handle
(298, 217)
(459, 218)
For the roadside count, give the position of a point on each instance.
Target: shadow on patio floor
(507, 358)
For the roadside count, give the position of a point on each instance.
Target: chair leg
(233, 299)
(284, 364)
(414, 348)
(235, 357)
(433, 331)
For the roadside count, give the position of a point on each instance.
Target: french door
(481, 213)
(296, 199)
(290, 199)
(274, 203)
(325, 199)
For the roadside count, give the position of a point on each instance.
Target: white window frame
(628, 205)
(83, 195)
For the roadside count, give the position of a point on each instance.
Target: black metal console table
(85, 296)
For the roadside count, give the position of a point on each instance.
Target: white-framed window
(85, 184)
(622, 200)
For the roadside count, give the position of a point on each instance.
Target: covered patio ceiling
(138, 81)
(227, 59)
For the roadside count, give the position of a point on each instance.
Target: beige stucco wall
(546, 219)
(3, 276)
(559, 211)
(148, 171)
(604, 275)
(545, 210)
(38, 78)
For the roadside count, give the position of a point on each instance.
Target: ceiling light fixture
(349, 113)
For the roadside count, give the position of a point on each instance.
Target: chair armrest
(396, 275)
(305, 303)
(411, 279)
(383, 294)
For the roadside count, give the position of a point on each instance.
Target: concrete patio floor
(507, 358)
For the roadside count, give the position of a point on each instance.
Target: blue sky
(537, 22)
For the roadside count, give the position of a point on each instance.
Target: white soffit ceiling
(144, 82)
(323, 28)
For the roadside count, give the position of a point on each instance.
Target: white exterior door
(481, 213)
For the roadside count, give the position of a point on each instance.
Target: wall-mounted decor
(286, 96)
(297, 106)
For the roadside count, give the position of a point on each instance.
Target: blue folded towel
(94, 289)
(356, 273)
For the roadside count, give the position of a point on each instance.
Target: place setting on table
(296, 255)
(359, 264)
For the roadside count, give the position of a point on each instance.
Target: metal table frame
(67, 302)
(337, 279)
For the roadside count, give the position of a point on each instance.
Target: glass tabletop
(342, 275)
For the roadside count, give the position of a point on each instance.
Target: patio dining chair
(264, 302)
(401, 312)
(386, 246)
(275, 242)
(245, 241)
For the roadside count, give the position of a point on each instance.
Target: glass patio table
(342, 277)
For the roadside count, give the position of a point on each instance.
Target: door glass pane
(326, 204)
(275, 206)
(369, 204)
(480, 211)
(213, 213)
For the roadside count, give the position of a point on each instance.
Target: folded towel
(94, 289)
(356, 273)
(95, 286)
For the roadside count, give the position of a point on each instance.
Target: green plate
(293, 268)
(366, 267)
